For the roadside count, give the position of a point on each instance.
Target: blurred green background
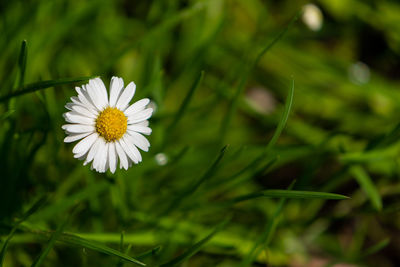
(342, 134)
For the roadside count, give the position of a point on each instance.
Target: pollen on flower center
(111, 124)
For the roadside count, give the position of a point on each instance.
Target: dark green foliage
(283, 102)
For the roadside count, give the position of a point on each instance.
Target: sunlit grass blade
(76, 240)
(195, 248)
(383, 154)
(283, 120)
(265, 238)
(193, 187)
(22, 63)
(280, 193)
(39, 260)
(24, 217)
(243, 80)
(81, 242)
(33, 87)
(367, 185)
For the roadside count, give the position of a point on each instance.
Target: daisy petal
(127, 148)
(139, 140)
(104, 160)
(75, 137)
(73, 117)
(137, 106)
(76, 100)
(69, 106)
(107, 166)
(112, 157)
(130, 144)
(140, 116)
(85, 99)
(83, 111)
(123, 160)
(139, 128)
(136, 152)
(126, 96)
(116, 86)
(80, 158)
(95, 96)
(85, 144)
(101, 91)
(93, 151)
(98, 160)
(143, 123)
(78, 128)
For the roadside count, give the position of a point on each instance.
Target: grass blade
(242, 82)
(76, 240)
(81, 242)
(246, 173)
(22, 63)
(120, 263)
(367, 185)
(385, 140)
(33, 87)
(121, 243)
(186, 101)
(278, 131)
(66, 203)
(148, 253)
(196, 247)
(280, 193)
(182, 109)
(376, 248)
(153, 33)
(50, 244)
(284, 118)
(24, 217)
(266, 237)
(277, 38)
(193, 187)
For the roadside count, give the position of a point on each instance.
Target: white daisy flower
(109, 127)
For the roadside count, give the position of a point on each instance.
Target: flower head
(106, 125)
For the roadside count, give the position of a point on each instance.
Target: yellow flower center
(111, 124)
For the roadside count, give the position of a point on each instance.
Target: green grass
(247, 100)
